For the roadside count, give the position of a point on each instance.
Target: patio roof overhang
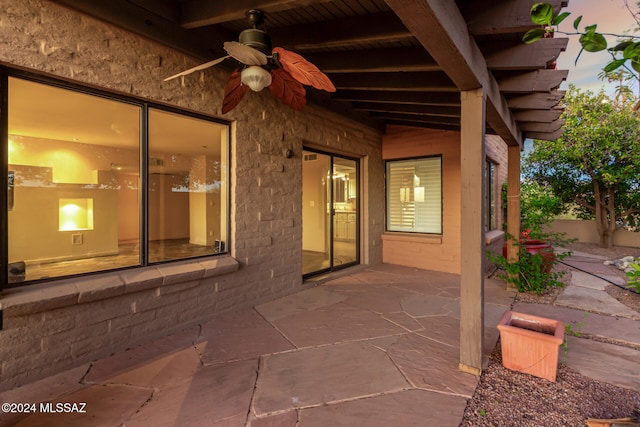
(394, 62)
(453, 65)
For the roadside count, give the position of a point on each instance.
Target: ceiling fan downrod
(255, 37)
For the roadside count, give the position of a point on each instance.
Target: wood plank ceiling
(392, 61)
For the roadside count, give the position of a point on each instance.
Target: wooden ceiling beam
(534, 81)
(545, 136)
(542, 127)
(538, 116)
(343, 32)
(408, 81)
(374, 60)
(541, 54)
(490, 17)
(536, 101)
(423, 110)
(145, 23)
(451, 121)
(412, 123)
(200, 13)
(401, 97)
(441, 29)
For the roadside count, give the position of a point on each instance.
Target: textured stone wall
(51, 327)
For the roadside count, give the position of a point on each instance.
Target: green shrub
(634, 275)
(532, 272)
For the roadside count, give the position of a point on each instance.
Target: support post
(513, 203)
(472, 246)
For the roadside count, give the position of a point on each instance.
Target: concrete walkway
(379, 347)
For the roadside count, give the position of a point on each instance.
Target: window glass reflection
(187, 186)
(73, 182)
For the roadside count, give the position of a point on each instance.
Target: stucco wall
(434, 252)
(438, 252)
(65, 323)
(585, 231)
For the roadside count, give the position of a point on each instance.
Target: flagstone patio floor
(376, 347)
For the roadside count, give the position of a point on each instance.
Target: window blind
(414, 195)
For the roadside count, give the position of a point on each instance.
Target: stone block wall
(54, 326)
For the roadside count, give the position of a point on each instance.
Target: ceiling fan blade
(287, 89)
(245, 54)
(233, 92)
(199, 67)
(303, 71)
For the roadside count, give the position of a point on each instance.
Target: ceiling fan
(283, 71)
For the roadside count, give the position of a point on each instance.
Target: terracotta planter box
(531, 344)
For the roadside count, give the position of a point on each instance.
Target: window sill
(493, 236)
(412, 237)
(67, 292)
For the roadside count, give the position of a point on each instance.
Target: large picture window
(78, 198)
(414, 195)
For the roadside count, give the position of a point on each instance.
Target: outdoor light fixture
(256, 77)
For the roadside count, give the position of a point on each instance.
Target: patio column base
(469, 369)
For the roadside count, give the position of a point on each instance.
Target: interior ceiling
(393, 62)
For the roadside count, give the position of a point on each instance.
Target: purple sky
(611, 17)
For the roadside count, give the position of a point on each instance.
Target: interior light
(75, 214)
(257, 78)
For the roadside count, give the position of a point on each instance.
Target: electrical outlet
(76, 239)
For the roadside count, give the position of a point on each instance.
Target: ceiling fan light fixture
(257, 78)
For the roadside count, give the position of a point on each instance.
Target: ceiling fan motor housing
(256, 39)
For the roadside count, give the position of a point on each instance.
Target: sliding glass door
(330, 214)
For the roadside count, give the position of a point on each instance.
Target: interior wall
(128, 207)
(33, 223)
(47, 171)
(314, 202)
(168, 208)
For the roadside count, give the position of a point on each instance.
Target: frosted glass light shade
(257, 78)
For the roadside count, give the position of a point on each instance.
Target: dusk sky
(611, 17)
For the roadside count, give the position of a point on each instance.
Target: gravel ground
(509, 398)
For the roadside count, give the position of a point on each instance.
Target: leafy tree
(624, 66)
(595, 165)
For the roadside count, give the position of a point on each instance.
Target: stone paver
(323, 375)
(586, 280)
(240, 335)
(334, 324)
(286, 419)
(405, 408)
(609, 363)
(109, 367)
(594, 300)
(380, 300)
(300, 303)
(106, 405)
(215, 394)
(431, 365)
(379, 348)
(431, 305)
